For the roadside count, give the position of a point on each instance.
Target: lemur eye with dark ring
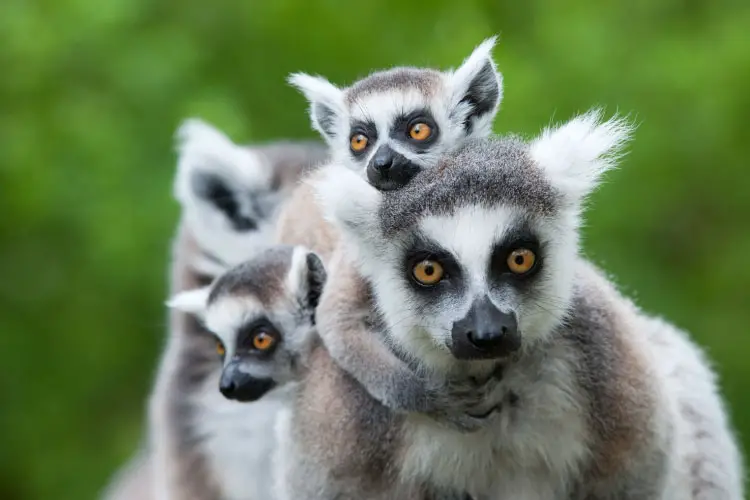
(428, 272)
(420, 131)
(358, 142)
(220, 348)
(263, 341)
(521, 260)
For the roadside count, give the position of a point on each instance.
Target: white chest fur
(239, 440)
(531, 448)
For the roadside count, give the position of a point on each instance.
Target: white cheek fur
(470, 234)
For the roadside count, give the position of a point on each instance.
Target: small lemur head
(263, 315)
(225, 191)
(394, 123)
(477, 257)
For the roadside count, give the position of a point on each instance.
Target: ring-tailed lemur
(262, 314)
(393, 123)
(229, 195)
(475, 268)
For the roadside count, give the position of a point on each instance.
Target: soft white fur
(576, 154)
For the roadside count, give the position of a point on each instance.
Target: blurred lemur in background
(199, 446)
(198, 441)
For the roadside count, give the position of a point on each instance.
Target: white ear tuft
(576, 154)
(191, 301)
(347, 200)
(477, 89)
(326, 102)
(203, 148)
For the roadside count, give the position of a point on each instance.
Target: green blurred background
(91, 93)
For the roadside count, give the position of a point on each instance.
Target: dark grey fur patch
(215, 190)
(483, 94)
(484, 172)
(261, 277)
(426, 81)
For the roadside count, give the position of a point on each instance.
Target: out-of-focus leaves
(92, 92)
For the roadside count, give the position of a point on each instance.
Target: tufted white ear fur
(477, 89)
(326, 102)
(577, 153)
(204, 148)
(348, 201)
(191, 301)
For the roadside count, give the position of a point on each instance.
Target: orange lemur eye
(521, 260)
(220, 348)
(420, 131)
(358, 142)
(428, 272)
(263, 341)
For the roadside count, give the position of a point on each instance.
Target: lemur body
(595, 399)
(199, 442)
(229, 201)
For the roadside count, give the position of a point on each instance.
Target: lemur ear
(348, 201)
(326, 103)
(191, 301)
(214, 176)
(577, 153)
(476, 90)
(307, 276)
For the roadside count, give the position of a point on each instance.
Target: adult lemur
(475, 269)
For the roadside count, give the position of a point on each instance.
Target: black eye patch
(402, 125)
(367, 129)
(526, 246)
(214, 190)
(249, 331)
(423, 249)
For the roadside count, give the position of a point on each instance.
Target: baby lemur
(474, 269)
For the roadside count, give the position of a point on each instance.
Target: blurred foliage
(91, 93)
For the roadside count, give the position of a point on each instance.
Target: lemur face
(476, 260)
(394, 123)
(262, 313)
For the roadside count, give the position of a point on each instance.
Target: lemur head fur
(395, 122)
(263, 315)
(230, 193)
(473, 260)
